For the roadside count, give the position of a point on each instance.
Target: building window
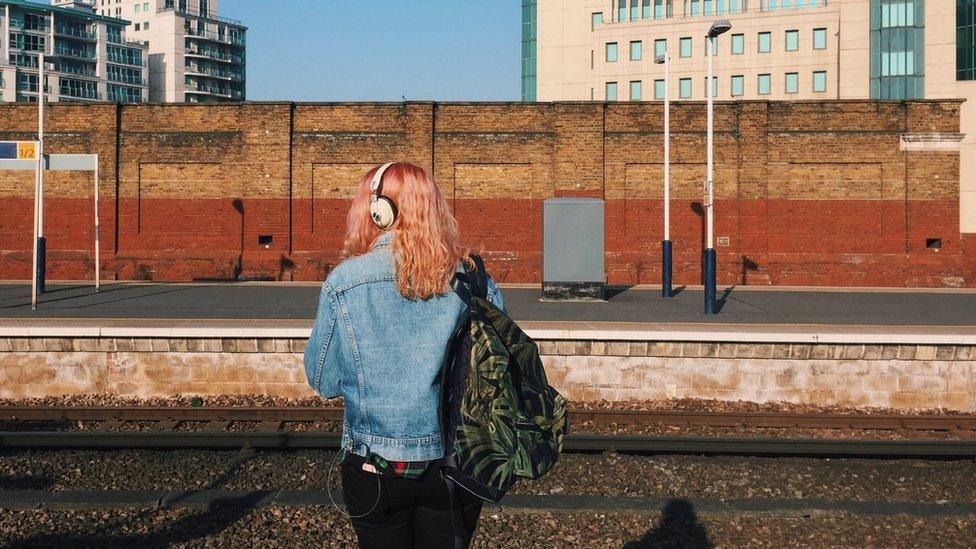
(646, 9)
(635, 90)
(738, 44)
(145, 26)
(792, 40)
(596, 20)
(662, 9)
(819, 81)
(138, 8)
(966, 40)
(764, 84)
(685, 47)
(660, 47)
(897, 14)
(611, 52)
(792, 82)
(819, 39)
(765, 42)
(611, 91)
(659, 89)
(684, 88)
(621, 10)
(737, 85)
(635, 50)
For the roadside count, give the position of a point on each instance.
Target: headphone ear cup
(383, 212)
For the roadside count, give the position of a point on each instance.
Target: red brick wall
(807, 193)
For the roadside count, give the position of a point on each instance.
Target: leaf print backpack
(501, 419)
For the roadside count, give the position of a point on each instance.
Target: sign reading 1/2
(18, 150)
(26, 150)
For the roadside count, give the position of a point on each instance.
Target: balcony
(18, 24)
(119, 59)
(76, 71)
(86, 95)
(74, 53)
(205, 89)
(75, 32)
(228, 20)
(127, 80)
(215, 37)
(213, 73)
(210, 54)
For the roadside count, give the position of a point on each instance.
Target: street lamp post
(666, 246)
(716, 29)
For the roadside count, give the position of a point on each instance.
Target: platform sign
(18, 150)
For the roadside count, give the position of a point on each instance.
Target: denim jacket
(383, 354)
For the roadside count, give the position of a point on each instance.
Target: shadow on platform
(678, 527)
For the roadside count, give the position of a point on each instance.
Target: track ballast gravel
(716, 477)
(677, 526)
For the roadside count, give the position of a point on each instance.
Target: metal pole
(98, 263)
(41, 242)
(37, 194)
(666, 245)
(709, 213)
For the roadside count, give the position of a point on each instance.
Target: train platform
(816, 315)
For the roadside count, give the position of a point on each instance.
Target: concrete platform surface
(782, 307)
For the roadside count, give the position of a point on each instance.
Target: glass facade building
(529, 41)
(965, 39)
(897, 63)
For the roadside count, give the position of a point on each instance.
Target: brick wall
(807, 193)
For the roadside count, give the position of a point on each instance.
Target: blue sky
(378, 50)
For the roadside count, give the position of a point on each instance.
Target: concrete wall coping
(576, 331)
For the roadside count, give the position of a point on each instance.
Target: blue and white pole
(716, 29)
(41, 242)
(666, 245)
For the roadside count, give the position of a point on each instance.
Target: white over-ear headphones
(381, 209)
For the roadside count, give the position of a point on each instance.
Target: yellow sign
(26, 150)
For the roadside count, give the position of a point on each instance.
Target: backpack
(500, 418)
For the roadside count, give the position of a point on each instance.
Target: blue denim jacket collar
(383, 240)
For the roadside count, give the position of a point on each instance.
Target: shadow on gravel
(133, 530)
(25, 483)
(678, 527)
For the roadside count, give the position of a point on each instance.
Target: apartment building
(88, 56)
(604, 50)
(194, 55)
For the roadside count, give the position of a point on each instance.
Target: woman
(385, 315)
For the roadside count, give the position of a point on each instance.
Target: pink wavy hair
(426, 240)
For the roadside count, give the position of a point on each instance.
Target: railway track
(271, 415)
(274, 428)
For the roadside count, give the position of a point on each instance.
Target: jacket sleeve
(495, 295)
(322, 359)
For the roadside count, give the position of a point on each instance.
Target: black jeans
(411, 512)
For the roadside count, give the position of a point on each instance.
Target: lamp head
(661, 59)
(719, 27)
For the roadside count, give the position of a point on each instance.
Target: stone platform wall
(896, 376)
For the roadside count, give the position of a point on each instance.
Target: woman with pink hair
(384, 318)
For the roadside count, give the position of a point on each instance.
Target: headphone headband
(378, 179)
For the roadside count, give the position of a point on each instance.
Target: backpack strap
(479, 286)
(473, 282)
